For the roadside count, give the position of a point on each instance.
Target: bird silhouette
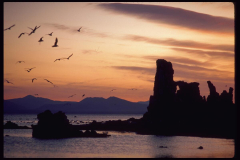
(112, 90)
(33, 79)
(83, 95)
(8, 82)
(41, 39)
(20, 61)
(33, 30)
(22, 34)
(49, 82)
(79, 29)
(72, 95)
(50, 34)
(9, 27)
(28, 70)
(55, 44)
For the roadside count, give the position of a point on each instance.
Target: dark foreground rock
(182, 112)
(51, 126)
(11, 125)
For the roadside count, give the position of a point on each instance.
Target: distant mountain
(142, 102)
(89, 105)
(32, 102)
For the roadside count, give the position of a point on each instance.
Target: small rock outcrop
(11, 125)
(57, 126)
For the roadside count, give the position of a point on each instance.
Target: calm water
(20, 144)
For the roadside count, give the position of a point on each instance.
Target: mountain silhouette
(89, 105)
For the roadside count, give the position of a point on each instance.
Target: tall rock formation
(163, 92)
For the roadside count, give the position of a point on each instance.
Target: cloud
(210, 54)
(73, 30)
(91, 51)
(185, 72)
(181, 60)
(173, 16)
(180, 43)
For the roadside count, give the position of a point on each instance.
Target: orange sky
(117, 47)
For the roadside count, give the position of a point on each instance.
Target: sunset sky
(117, 47)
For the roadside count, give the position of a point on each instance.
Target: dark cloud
(180, 43)
(210, 54)
(186, 72)
(173, 16)
(183, 60)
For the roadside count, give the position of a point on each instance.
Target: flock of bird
(58, 59)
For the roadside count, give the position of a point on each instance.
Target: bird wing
(70, 56)
(56, 41)
(30, 28)
(12, 26)
(20, 35)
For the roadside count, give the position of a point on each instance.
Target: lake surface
(20, 144)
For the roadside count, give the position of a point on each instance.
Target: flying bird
(9, 27)
(50, 34)
(55, 44)
(79, 29)
(83, 95)
(20, 61)
(8, 82)
(49, 82)
(22, 34)
(112, 90)
(71, 95)
(33, 30)
(28, 70)
(41, 39)
(33, 79)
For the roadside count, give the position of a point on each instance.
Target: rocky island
(51, 126)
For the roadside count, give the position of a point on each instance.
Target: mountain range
(89, 105)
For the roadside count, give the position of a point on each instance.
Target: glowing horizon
(117, 47)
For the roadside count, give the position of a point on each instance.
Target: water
(20, 144)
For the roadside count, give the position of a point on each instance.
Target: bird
(112, 90)
(79, 29)
(33, 30)
(8, 82)
(71, 95)
(22, 34)
(55, 44)
(69, 56)
(83, 95)
(33, 79)
(28, 70)
(49, 82)
(9, 27)
(20, 61)
(41, 39)
(50, 34)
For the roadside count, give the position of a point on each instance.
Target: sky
(116, 48)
